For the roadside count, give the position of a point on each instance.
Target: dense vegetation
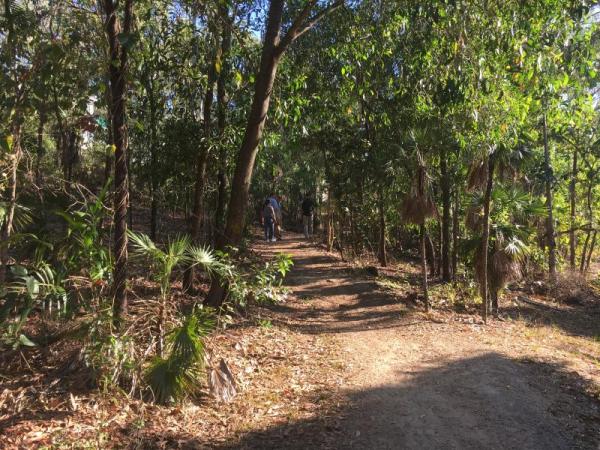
(139, 139)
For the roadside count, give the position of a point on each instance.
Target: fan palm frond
(203, 257)
(144, 247)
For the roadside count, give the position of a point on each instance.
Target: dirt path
(420, 382)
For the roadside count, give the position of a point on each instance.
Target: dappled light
(311, 224)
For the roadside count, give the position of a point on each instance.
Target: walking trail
(416, 381)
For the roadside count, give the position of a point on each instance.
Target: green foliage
(41, 288)
(162, 262)
(83, 248)
(179, 375)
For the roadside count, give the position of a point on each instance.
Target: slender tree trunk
(222, 180)
(584, 251)
(382, 231)
(572, 201)
(591, 252)
(431, 254)
(108, 155)
(40, 147)
(455, 234)
(201, 163)
(11, 195)
(153, 160)
(485, 238)
(118, 71)
(550, 235)
(425, 286)
(445, 184)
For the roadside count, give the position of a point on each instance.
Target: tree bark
(485, 238)
(572, 201)
(445, 185)
(117, 74)
(550, 235)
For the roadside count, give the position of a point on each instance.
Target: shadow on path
(487, 401)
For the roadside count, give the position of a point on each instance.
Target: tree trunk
(550, 235)
(430, 254)
(425, 286)
(591, 252)
(11, 195)
(584, 251)
(201, 163)
(572, 200)
(485, 238)
(455, 234)
(108, 155)
(382, 230)
(153, 160)
(240, 186)
(118, 71)
(445, 184)
(221, 123)
(273, 49)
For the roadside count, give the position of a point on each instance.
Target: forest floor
(350, 360)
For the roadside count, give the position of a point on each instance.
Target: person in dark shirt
(308, 209)
(268, 220)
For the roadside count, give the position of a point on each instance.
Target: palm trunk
(572, 201)
(425, 286)
(118, 71)
(445, 184)
(455, 234)
(485, 238)
(550, 235)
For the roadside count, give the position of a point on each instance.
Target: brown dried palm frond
(503, 268)
(477, 176)
(416, 209)
(418, 205)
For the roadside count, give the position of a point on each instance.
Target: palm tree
(417, 207)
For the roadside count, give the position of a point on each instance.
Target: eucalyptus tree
(274, 46)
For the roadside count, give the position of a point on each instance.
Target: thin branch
(301, 25)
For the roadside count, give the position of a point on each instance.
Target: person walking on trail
(308, 208)
(279, 219)
(268, 219)
(275, 203)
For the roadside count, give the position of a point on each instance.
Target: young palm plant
(180, 373)
(162, 262)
